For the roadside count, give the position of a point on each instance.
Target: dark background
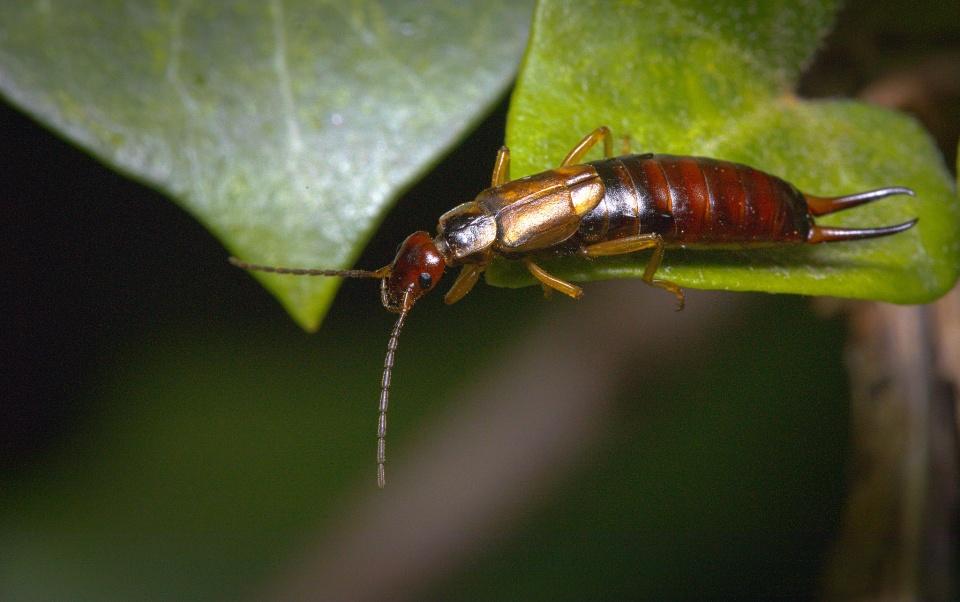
(166, 431)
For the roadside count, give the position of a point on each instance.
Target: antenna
(408, 300)
(381, 273)
(385, 389)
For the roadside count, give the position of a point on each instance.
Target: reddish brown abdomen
(694, 200)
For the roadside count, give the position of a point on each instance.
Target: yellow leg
(622, 246)
(632, 244)
(501, 168)
(590, 140)
(464, 283)
(547, 280)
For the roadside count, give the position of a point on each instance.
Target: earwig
(613, 206)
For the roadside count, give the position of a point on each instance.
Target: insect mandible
(613, 206)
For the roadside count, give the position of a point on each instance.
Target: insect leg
(548, 280)
(465, 280)
(583, 147)
(501, 168)
(632, 244)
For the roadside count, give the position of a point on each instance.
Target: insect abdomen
(694, 200)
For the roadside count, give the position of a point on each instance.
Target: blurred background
(167, 432)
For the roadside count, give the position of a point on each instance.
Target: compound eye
(425, 280)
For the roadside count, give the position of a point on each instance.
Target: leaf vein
(282, 70)
(174, 52)
(375, 43)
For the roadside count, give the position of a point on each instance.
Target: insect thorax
(467, 233)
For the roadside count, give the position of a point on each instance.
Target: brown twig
(898, 525)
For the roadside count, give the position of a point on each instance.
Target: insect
(613, 206)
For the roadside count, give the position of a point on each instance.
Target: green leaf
(286, 127)
(708, 78)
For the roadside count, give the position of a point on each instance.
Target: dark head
(415, 270)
